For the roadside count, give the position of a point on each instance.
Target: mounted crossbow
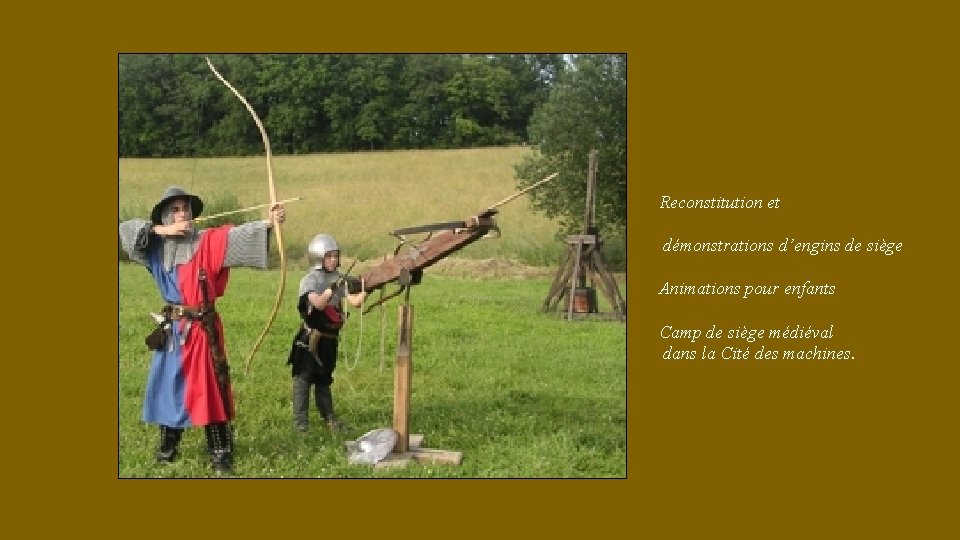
(442, 240)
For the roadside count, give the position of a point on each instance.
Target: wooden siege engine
(583, 259)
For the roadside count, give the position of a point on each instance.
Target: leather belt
(314, 331)
(176, 312)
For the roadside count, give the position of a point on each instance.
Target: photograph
(379, 265)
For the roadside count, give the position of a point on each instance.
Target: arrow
(247, 209)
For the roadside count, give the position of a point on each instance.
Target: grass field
(359, 197)
(520, 393)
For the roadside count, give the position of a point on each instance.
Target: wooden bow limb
(276, 226)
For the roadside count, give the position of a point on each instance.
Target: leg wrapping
(220, 445)
(169, 443)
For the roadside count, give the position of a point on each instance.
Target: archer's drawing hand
(277, 213)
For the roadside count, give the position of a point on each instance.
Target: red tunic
(201, 397)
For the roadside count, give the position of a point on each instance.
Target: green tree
(293, 92)
(359, 98)
(229, 129)
(587, 109)
(146, 84)
(424, 111)
(532, 77)
(171, 105)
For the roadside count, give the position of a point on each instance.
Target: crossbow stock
(443, 239)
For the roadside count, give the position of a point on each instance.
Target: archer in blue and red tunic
(182, 388)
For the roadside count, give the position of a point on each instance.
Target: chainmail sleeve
(248, 245)
(318, 281)
(313, 281)
(134, 238)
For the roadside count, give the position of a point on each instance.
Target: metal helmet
(318, 247)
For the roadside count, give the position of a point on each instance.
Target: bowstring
(196, 144)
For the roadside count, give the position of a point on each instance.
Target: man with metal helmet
(188, 383)
(313, 355)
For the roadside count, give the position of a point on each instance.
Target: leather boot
(169, 442)
(220, 445)
(325, 405)
(301, 402)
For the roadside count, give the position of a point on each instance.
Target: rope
(383, 313)
(343, 354)
(356, 358)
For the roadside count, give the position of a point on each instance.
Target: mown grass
(520, 393)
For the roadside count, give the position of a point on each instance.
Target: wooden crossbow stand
(404, 269)
(407, 448)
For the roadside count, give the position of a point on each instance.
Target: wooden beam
(426, 253)
(584, 239)
(427, 456)
(433, 456)
(590, 214)
(395, 460)
(402, 375)
(416, 440)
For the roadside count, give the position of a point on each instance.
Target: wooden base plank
(429, 456)
(394, 460)
(434, 456)
(415, 440)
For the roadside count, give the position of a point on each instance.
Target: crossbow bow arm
(436, 247)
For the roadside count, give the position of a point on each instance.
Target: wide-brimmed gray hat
(174, 192)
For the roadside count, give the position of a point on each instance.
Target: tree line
(171, 105)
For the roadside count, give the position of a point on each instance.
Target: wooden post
(590, 215)
(402, 375)
(573, 282)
